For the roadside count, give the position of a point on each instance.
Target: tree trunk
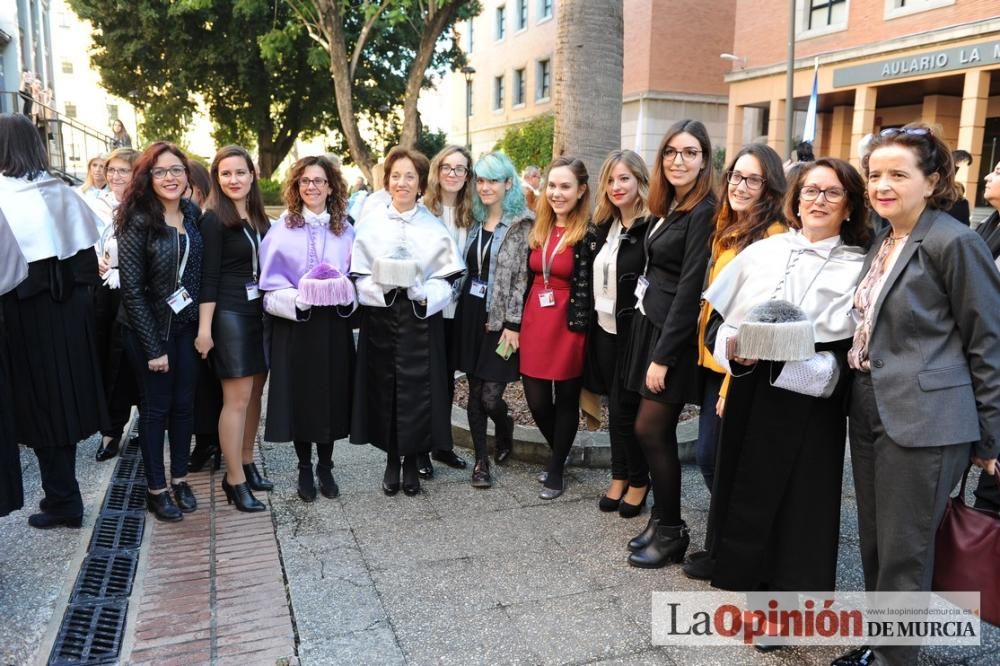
(435, 21)
(588, 81)
(332, 24)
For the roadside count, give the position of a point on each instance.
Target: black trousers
(446, 442)
(57, 468)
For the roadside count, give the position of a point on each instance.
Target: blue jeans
(708, 427)
(167, 402)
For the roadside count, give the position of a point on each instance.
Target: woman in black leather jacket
(557, 311)
(159, 259)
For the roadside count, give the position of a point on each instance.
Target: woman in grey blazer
(926, 390)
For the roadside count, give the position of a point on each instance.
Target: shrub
(270, 190)
(530, 143)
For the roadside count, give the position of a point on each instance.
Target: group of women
(448, 269)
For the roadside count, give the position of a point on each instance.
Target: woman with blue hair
(488, 320)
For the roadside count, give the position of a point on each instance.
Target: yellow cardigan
(705, 358)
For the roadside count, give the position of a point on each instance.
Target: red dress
(549, 350)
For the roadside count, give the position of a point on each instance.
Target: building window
(70, 110)
(67, 67)
(498, 92)
(543, 77)
(544, 9)
(826, 14)
(501, 22)
(897, 8)
(519, 85)
(522, 14)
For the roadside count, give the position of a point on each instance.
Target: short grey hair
(531, 170)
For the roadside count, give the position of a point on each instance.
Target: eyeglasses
(309, 182)
(115, 171)
(459, 171)
(912, 131)
(753, 181)
(159, 173)
(687, 154)
(831, 194)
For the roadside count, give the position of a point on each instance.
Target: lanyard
(182, 264)
(649, 241)
(253, 250)
(547, 264)
(613, 253)
(481, 251)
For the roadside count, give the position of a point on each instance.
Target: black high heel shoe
(204, 450)
(411, 477)
(254, 478)
(626, 510)
(241, 496)
(390, 480)
(609, 504)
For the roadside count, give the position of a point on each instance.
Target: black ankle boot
(307, 485)
(669, 544)
(390, 480)
(241, 496)
(481, 474)
(327, 484)
(411, 477)
(643, 538)
(204, 450)
(504, 440)
(254, 478)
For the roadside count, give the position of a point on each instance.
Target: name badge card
(547, 298)
(477, 289)
(253, 291)
(604, 305)
(179, 300)
(640, 287)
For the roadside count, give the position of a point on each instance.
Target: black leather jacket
(581, 295)
(147, 262)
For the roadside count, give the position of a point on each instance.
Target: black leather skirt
(239, 345)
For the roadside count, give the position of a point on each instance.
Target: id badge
(253, 291)
(179, 300)
(547, 298)
(640, 288)
(604, 305)
(477, 289)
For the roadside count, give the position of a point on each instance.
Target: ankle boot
(204, 450)
(643, 538)
(481, 474)
(254, 478)
(411, 476)
(307, 485)
(390, 479)
(327, 484)
(504, 440)
(669, 544)
(241, 496)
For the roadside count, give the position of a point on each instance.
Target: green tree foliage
(530, 143)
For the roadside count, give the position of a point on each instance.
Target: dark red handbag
(967, 555)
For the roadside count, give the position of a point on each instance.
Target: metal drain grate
(131, 448)
(130, 468)
(105, 575)
(117, 531)
(90, 634)
(125, 497)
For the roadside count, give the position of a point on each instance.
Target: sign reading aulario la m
(945, 60)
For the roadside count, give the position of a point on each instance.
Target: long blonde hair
(578, 218)
(463, 199)
(606, 209)
(88, 181)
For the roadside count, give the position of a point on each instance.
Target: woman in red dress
(557, 312)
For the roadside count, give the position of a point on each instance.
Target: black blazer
(678, 253)
(990, 232)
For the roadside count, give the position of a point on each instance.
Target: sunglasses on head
(912, 131)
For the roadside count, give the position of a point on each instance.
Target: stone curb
(591, 449)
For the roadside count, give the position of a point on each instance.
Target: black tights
(486, 400)
(656, 429)
(324, 453)
(557, 418)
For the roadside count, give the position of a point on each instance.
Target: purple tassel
(324, 285)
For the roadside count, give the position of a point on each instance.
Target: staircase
(69, 143)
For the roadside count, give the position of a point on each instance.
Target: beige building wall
(672, 70)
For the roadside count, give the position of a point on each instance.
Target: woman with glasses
(925, 397)
(159, 258)
(490, 305)
(120, 388)
(304, 260)
(661, 361)
(231, 326)
(95, 181)
(404, 262)
(622, 190)
(449, 197)
(775, 513)
(557, 312)
(48, 269)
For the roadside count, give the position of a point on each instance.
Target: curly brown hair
(336, 202)
(933, 157)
